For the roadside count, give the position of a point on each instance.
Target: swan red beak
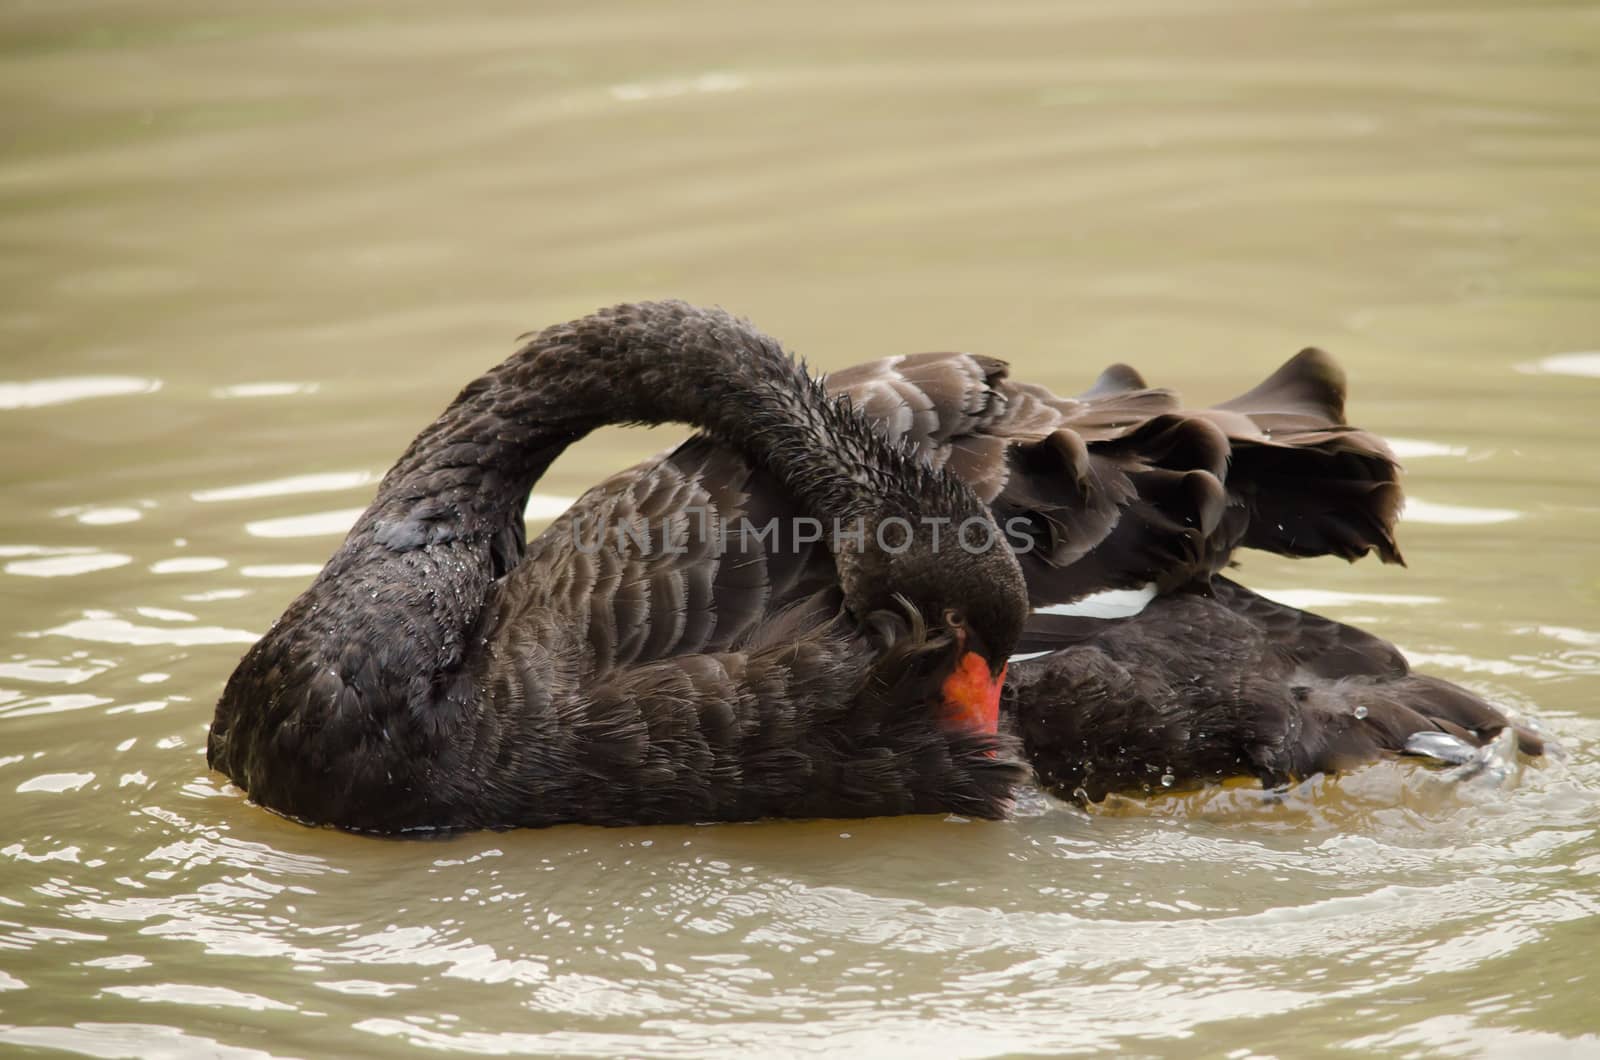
(972, 695)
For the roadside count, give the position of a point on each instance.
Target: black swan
(442, 673)
(1122, 488)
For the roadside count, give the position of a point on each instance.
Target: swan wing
(688, 553)
(1122, 485)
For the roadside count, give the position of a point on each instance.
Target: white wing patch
(1113, 603)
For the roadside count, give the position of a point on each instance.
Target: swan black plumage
(1209, 686)
(1121, 488)
(442, 673)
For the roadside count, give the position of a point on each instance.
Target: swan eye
(954, 618)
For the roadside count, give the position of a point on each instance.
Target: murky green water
(251, 248)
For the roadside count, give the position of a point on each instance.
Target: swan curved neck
(654, 363)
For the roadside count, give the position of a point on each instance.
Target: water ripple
(1417, 448)
(125, 1039)
(67, 564)
(317, 524)
(195, 994)
(1420, 511)
(1586, 363)
(40, 393)
(100, 628)
(326, 482)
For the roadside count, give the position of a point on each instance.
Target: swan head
(946, 609)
